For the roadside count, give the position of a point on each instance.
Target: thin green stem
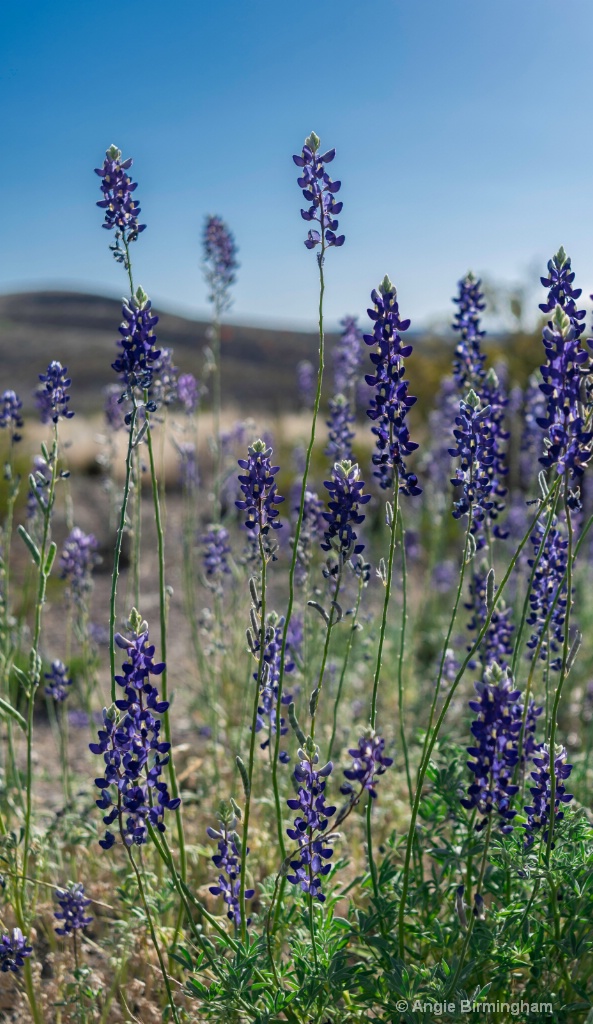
(472, 919)
(117, 550)
(328, 632)
(400, 660)
(351, 634)
(256, 698)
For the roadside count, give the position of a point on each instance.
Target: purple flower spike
(474, 450)
(121, 209)
(51, 395)
(539, 812)
(391, 402)
(227, 861)
(259, 488)
(311, 822)
(10, 414)
(468, 366)
(72, 902)
(13, 951)
(547, 581)
(496, 733)
(58, 684)
(345, 491)
(220, 261)
(188, 392)
(348, 356)
(215, 548)
(136, 362)
(77, 561)
(319, 190)
(368, 762)
(341, 435)
(131, 747)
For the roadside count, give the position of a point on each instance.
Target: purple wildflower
(58, 683)
(132, 750)
(391, 402)
(319, 190)
(268, 704)
(346, 497)
(227, 862)
(312, 529)
(188, 392)
(474, 450)
(72, 902)
(77, 561)
(534, 409)
(188, 465)
(51, 395)
(121, 209)
(561, 293)
(468, 366)
(163, 387)
(547, 586)
(368, 762)
(220, 261)
(539, 811)
(311, 822)
(13, 951)
(347, 357)
(136, 362)
(341, 435)
(306, 383)
(215, 548)
(259, 488)
(497, 645)
(496, 734)
(115, 409)
(10, 414)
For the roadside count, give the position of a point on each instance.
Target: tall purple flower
(548, 585)
(346, 497)
(496, 731)
(534, 408)
(10, 414)
(13, 951)
(121, 209)
(268, 704)
(539, 811)
(560, 291)
(188, 392)
(163, 388)
(77, 561)
(474, 451)
(228, 862)
(51, 395)
(115, 408)
(311, 822)
(137, 358)
(72, 913)
(220, 261)
(58, 682)
(131, 747)
(341, 434)
(468, 366)
(215, 547)
(368, 762)
(259, 489)
(347, 356)
(497, 645)
(391, 402)
(319, 190)
(312, 530)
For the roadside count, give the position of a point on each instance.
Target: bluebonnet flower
(468, 365)
(115, 409)
(492, 397)
(443, 576)
(73, 903)
(220, 261)
(368, 762)
(534, 408)
(391, 402)
(13, 951)
(77, 561)
(547, 581)
(228, 863)
(341, 435)
(496, 733)
(259, 488)
(215, 548)
(268, 704)
(58, 682)
(561, 293)
(188, 465)
(10, 414)
(530, 745)
(136, 362)
(312, 529)
(133, 752)
(39, 482)
(306, 383)
(346, 497)
(311, 822)
(163, 387)
(539, 811)
(347, 357)
(474, 450)
(568, 444)
(121, 209)
(319, 190)
(52, 396)
(188, 392)
(497, 645)
(436, 461)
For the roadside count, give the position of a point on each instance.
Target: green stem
(328, 631)
(217, 403)
(400, 662)
(256, 697)
(472, 919)
(353, 630)
(117, 550)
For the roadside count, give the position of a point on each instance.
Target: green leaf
(7, 711)
(49, 561)
(34, 550)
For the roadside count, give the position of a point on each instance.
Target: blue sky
(462, 132)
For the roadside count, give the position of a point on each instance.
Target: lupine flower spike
(538, 813)
(51, 395)
(13, 951)
(72, 903)
(346, 497)
(259, 489)
(311, 822)
(227, 862)
(220, 261)
(368, 762)
(10, 415)
(319, 190)
(121, 208)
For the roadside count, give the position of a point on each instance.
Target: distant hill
(258, 364)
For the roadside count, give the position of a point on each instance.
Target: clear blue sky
(462, 129)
